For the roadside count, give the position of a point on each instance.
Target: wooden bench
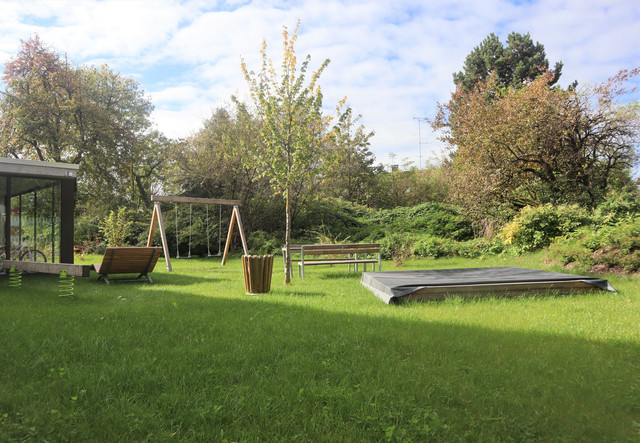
(128, 260)
(340, 254)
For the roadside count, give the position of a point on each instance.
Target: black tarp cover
(392, 286)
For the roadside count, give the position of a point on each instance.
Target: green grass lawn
(192, 357)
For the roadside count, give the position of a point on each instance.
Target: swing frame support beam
(157, 218)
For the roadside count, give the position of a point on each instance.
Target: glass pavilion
(37, 202)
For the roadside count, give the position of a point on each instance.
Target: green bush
(479, 247)
(434, 247)
(618, 206)
(435, 219)
(331, 217)
(536, 227)
(261, 242)
(116, 228)
(397, 246)
(610, 248)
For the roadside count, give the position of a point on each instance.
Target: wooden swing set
(157, 217)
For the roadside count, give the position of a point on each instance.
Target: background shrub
(619, 206)
(116, 228)
(479, 247)
(534, 228)
(435, 247)
(397, 246)
(609, 248)
(435, 219)
(261, 242)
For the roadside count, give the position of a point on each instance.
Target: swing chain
(191, 231)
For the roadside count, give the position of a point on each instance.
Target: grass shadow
(320, 360)
(299, 293)
(337, 275)
(188, 365)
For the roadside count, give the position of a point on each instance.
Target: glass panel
(35, 219)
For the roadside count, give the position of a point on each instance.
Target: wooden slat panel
(343, 246)
(505, 289)
(297, 248)
(338, 262)
(128, 260)
(335, 251)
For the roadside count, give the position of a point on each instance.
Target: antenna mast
(420, 143)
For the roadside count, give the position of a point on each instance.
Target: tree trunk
(287, 240)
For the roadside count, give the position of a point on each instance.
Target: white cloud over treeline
(393, 60)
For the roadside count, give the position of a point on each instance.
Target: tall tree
(539, 144)
(294, 133)
(521, 60)
(351, 174)
(90, 116)
(215, 162)
(37, 104)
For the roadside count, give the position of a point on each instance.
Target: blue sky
(393, 60)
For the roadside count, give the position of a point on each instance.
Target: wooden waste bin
(257, 273)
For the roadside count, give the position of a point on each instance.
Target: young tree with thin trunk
(294, 133)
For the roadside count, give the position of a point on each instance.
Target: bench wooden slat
(343, 253)
(128, 260)
(338, 262)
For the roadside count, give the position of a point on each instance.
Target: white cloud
(393, 60)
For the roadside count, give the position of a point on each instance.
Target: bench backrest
(124, 260)
(353, 248)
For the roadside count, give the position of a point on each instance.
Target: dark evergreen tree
(521, 60)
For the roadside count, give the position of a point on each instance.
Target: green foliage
(95, 117)
(480, 247)
(331, 218)
(436, 219)
(86, 235)
(350, 175)
(435, 247)
(261, 242)
(398, 183)
(519, 61)
(618, 206)
(116, 228)
(397, 246)
(536, 227)
(609, 248)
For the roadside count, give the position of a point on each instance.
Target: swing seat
(128, 260)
